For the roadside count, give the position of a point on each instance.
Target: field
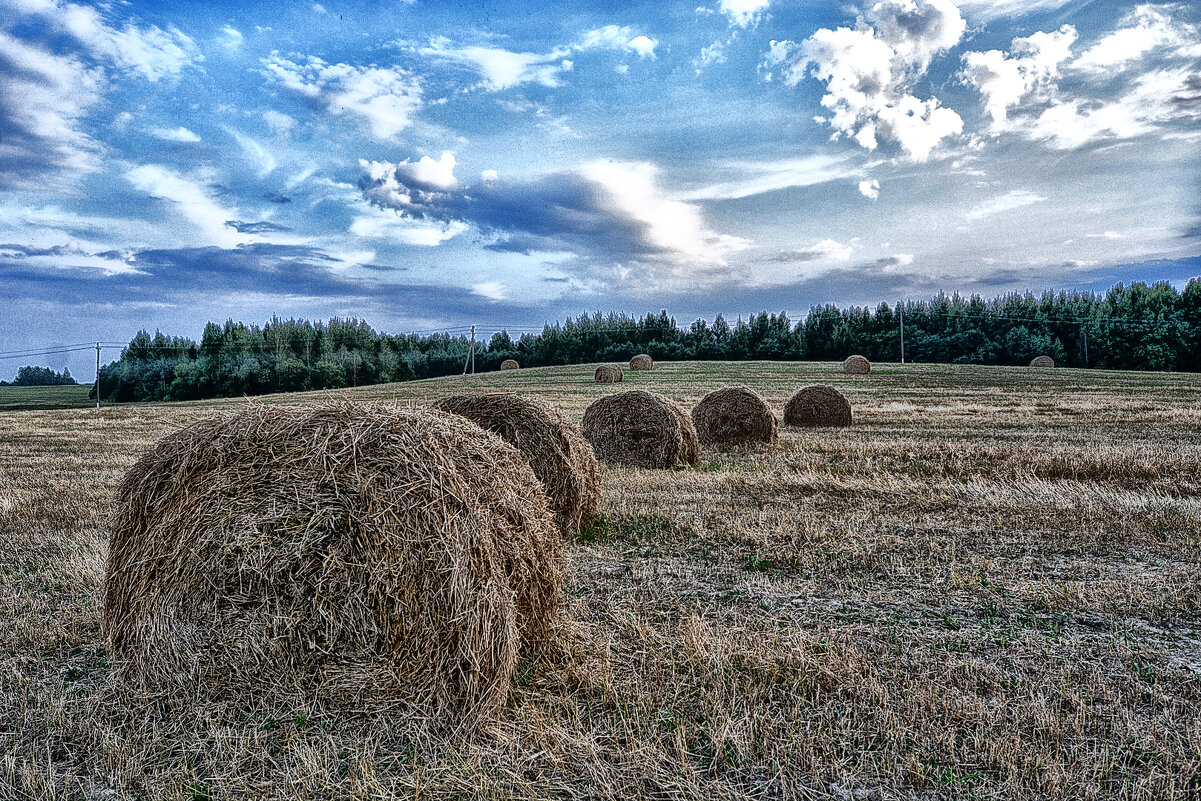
(71, 396)
(989, 587)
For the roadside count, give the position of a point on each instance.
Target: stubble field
(989, 587)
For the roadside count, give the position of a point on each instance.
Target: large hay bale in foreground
(642, 362)
(1042, 361)
(817, 405)
(343, 556)
(640, 429)
(554, 447)
(608, 374)
(510, 364)
(734, 416)
(856, 365)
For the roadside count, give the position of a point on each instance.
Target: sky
(429, 164)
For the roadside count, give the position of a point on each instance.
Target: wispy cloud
(1014, 199)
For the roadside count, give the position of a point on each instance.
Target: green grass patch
(19, 399)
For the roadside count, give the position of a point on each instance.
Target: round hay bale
(642, 362)
(856, 365)
(818, 405)
(350, 556)
(734, 416)
(608, 374)
(556, 450)
(1042, 361)
(510, 364)
(640, 429)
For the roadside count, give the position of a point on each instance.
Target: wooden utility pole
(473, 350)
(97, 375)
(901, 309)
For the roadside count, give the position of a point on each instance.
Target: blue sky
(429, 164)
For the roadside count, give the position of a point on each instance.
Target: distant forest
(30, 376)
(1136, 327)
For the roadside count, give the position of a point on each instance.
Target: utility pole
(473, 350)
(97, 375)
(1086, 347)
(901, 309)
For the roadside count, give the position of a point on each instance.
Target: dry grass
(1042, 361)
(988, 588)
(510, 364)
(642, 362)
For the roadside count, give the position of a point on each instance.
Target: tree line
(30, 376)
(1135, 327)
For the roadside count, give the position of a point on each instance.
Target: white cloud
(504, 69)
(255, 153)
(384, 99)
(894, 263)
(618, 37)
(373, 222)
(413, 188)
(1147, 28)
(1032, 66)
(870, 189)
(43, 99)
(672, 225)
(608, 212)
(744, 13)
(1014, 199)
(869, 72)
(190, 199)
(179, 134)
(279, 123)
(989, 10)
(1072, 123)
(150, 51)
(1022, 91)
(70, 257)
(233, 37)
(826, 250)
(756, 178)
(493, 290)
(917, 30)
(643, 45)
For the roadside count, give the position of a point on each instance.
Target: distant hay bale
(554, 447)
(510, 364)
(734, 416)
(354, 557)
(642, 362)
(608, 374)
(856, 365)
(1042, 361)
(640, 429)
(817, 405)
